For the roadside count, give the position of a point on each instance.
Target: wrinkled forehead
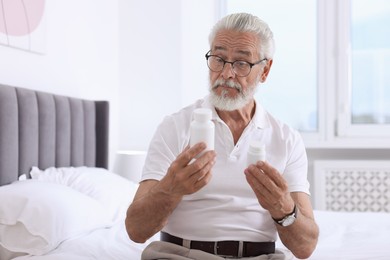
(236, 43)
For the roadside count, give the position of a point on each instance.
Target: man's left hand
(271, 189)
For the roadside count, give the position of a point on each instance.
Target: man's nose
(227, 71)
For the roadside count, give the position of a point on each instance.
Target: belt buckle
(239, 250)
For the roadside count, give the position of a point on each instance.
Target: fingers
(263, 187)
(185, 157)
(268, 184)
(263, 194)
(269, 176)
(202, 161)
(187, 174)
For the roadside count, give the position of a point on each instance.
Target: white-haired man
(217, 206)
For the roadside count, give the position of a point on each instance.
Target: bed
(59, 201)
(70, 206)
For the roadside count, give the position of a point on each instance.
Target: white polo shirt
(227, 208)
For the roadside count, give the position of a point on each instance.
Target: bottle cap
(202, 114)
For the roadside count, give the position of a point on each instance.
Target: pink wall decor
(22, 24)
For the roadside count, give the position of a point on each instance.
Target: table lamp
(129, 164)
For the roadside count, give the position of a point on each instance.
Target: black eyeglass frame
(208, 55)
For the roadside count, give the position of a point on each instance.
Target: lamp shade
(129, 164)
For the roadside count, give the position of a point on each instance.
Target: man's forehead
(241, 43)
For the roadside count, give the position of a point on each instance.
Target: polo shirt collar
(260, 118)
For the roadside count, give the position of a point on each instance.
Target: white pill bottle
(202, 128)
(256, 152)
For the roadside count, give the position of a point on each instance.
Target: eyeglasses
(240, 67)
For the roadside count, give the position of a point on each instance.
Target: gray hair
(243, 22)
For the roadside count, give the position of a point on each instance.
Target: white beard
(226, 103)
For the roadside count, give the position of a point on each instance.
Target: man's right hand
(187, 175)
(156, 200)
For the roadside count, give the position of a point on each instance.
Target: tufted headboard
(45, 130)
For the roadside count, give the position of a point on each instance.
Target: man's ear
(266, 70)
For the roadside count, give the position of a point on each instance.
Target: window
(330, 78)
(290, 92)
(367, 54)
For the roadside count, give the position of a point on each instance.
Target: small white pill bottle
(202, 128)
(256, 152)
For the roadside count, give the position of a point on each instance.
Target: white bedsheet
(357, 235)
(103, 244)
(344, 236)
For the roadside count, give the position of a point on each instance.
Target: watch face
(288, 221)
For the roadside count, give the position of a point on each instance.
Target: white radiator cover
(352, 185)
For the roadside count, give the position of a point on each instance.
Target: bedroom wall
(122, 51)
(162, 65)
(145, 57)
(162, 68)
(81, 57)
(149, 67)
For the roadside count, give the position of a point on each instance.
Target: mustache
(227, 83)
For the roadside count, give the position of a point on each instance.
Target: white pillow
(5, 254)
(114, 192)
(35, 217)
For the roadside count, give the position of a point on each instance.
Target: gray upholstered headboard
(45, 130)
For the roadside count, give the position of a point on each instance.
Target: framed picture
(22, 24)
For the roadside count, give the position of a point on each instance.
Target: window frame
(345, 127)
(335, 128)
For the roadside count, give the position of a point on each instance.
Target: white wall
(145, 57)
(149, 67)
(162, 64)
(81, 58)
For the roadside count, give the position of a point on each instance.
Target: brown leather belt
(224, 248)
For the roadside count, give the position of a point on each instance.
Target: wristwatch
(288, 219)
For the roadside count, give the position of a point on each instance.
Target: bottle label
(202, 135)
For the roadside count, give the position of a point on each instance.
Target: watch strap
(292, 214)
